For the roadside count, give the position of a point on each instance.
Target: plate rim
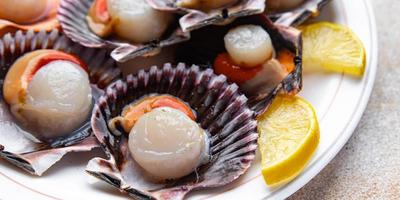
(349, 129)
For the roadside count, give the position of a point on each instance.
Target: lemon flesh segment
(333, 47)
(289, 136)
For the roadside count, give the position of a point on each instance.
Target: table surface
(368, 167)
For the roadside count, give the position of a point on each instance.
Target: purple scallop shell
(221, 110)
(72, 17)
(283, 38)
(195, 19)
(298, 15)
(21, 150)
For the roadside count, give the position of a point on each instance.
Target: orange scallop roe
(133, 112)
(286, 58)
(54, 56)
(100, 10)
(99, 19)
(223, 64)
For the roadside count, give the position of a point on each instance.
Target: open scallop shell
(72, 17)
(222, 111)
(47, 24)
(195, 19)
(298, 15)
(208, 42)
(16, 145)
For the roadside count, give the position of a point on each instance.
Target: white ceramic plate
(338, 99)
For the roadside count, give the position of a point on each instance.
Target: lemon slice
(333, 47)
(289, 136)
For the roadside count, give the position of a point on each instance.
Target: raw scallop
(59, 100)
(137, 21)
(167, 143)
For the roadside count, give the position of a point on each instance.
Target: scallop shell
(297, 16)
(15, 145)
(47, 24)
(71, 15)
(211, 38)
(195, 19)
(222, 111)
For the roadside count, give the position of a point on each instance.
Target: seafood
(293, 13)
(262, 58)
(28, 14)
(248, 45)
(138, 29)
(199, 14)
(134, 21)
(167, 143)
(47, 98)
(201, 103)
(132, 112)
(49, 93)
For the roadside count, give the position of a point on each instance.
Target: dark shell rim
(222, 17)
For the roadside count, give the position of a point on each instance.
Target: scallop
(167, 143)
(209, 151)
(25, 78)
(24, 11)
(58, 100)
(249, 45)
(137, 21)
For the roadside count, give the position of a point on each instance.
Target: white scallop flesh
(167, 143)
(271, 74)
(249, 45)
(24, 11)
(59, 99)
(281, 5)
(136, 21)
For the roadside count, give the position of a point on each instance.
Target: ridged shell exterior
(298, 15)
(221, 110)
(195, 19)
(208, 42)
(30, 155)
(72, 16)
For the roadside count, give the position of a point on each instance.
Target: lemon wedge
(333, 47)
(289, 136)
